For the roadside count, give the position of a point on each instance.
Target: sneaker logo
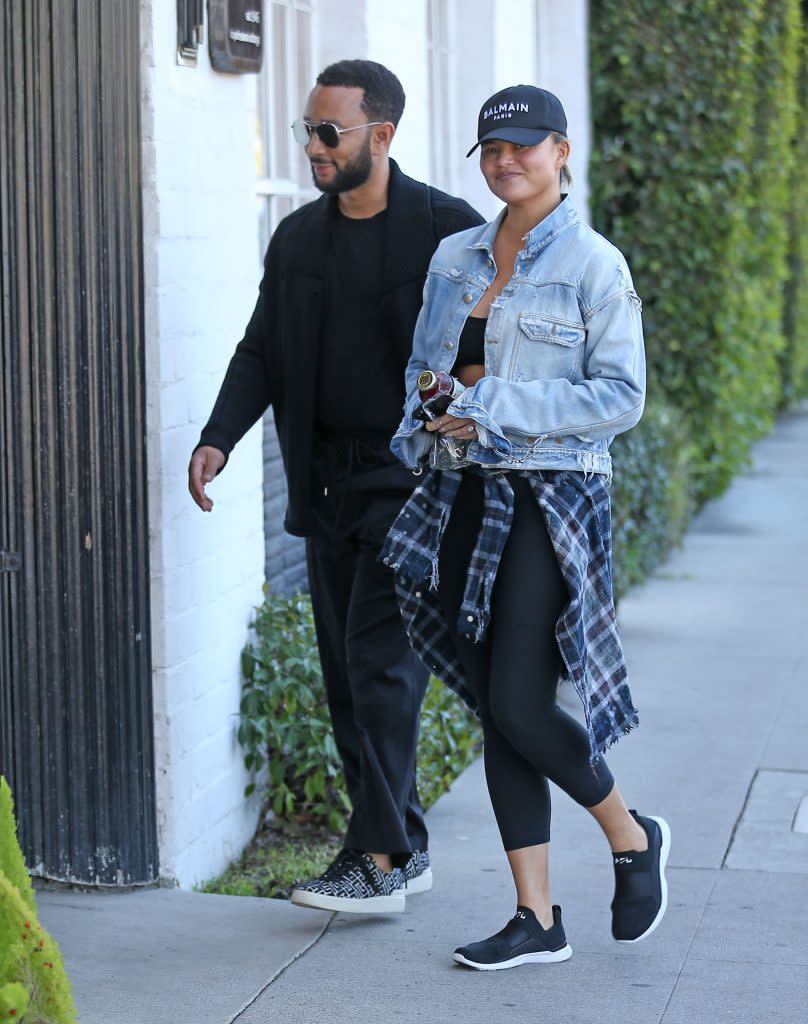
(520, 913)
(624, 860)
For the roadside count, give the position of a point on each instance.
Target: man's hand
(204, 465)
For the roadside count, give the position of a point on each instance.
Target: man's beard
(351, 176)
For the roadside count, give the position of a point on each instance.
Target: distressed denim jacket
(564, 358)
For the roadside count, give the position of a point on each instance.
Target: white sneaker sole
(665, 829)
(421, 883)
(550, 957)
(392, 904)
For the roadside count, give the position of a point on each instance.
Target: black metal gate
(75, 684)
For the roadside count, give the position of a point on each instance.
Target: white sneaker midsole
(554, 956)
(392, 904)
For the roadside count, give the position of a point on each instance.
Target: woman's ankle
(542, 909)
(630, 836)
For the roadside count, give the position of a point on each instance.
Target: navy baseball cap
(522, 114)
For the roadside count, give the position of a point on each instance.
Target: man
(326, 347)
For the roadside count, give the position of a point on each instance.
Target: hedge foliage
(286, 734)
(794, 359)
(695, 113)
(651, 494)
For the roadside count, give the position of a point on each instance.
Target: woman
(502, 556)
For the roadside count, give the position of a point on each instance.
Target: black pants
(514, 672)
(374, 682)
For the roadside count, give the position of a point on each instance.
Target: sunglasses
(326, 132)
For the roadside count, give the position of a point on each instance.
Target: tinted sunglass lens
(328, 135)
(301, 132)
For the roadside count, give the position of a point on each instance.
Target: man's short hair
(383, 98)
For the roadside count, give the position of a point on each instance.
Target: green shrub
(450, 739)
(651, 499)
(694, 109)
(33, 983)
(285, 730)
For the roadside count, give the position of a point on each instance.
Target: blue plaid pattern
(577, 513)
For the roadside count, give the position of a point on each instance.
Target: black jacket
(275, 363)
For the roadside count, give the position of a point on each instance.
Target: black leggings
(514, 672)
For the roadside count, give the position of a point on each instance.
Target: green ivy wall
(697, 139)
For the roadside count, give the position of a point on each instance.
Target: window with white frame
(440, 42)
(284, 178)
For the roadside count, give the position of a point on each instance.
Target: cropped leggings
(514, 672)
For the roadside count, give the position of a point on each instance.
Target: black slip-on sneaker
(355, 885)
(521, 941)
(640, 888)
(417, 873)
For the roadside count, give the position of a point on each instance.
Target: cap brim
(521, 136)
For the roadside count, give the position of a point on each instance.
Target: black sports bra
(471, 346)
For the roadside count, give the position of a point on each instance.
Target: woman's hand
(454, 426)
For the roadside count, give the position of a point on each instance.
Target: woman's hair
(566, 173)
(383, 97)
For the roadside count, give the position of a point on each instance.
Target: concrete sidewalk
(715, 643)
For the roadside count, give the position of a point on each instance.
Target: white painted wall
(206, 570)
(476, 72)
(515, 42)
(396, 35)
(563, 68)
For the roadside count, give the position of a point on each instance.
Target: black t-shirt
(360, 387)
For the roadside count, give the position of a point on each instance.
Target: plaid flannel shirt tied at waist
(577, 513)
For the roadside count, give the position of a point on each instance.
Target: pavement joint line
(739, 819)
(687, 952)
(281, 970)
(745, 963)
(763, 871)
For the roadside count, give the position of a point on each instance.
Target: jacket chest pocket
(549, 347)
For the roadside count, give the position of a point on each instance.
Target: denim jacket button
(530, 440)
(558, 440)
(467, 298)
(450, 344)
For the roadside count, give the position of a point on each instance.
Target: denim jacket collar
(562, 217)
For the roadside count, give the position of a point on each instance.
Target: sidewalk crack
(282, 970)
(739, 818)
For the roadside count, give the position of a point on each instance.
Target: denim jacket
(564, 358)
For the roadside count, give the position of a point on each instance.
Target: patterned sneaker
(417, 873)
(521, 941)
(640, 888)
(353, 884)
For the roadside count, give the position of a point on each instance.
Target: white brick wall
(201, 271)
